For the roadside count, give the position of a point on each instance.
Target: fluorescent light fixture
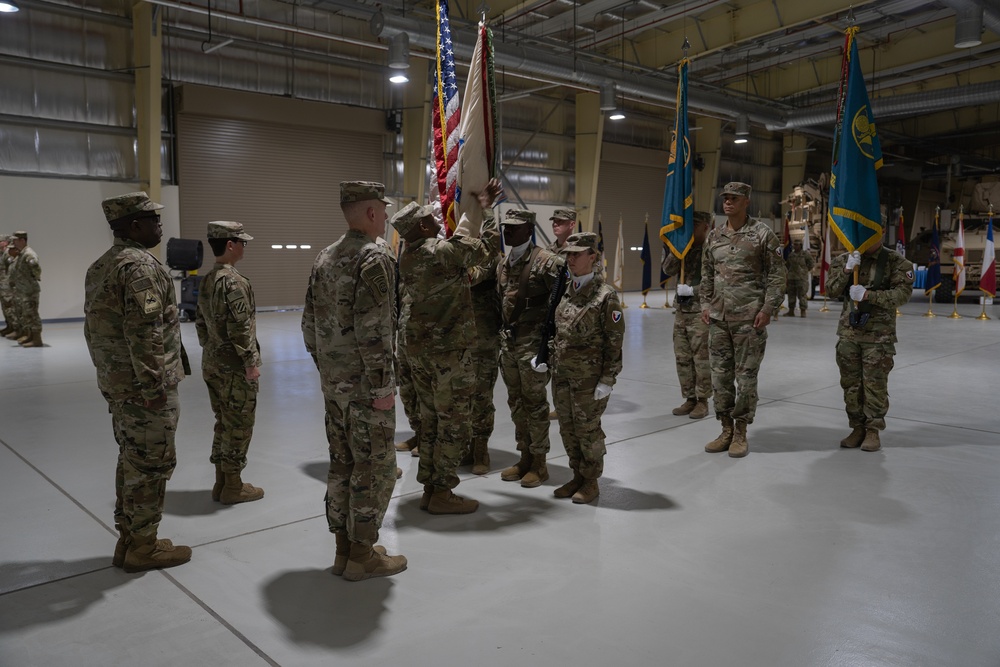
(291, 246)
(399, 77)
(969, 27)
(305, 247)
(276, 246)
(8, 7)
(215, 47)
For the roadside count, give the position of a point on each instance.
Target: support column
(416, 130)
(589, 136)
(148, 45)
(707, 144)
(793, 164)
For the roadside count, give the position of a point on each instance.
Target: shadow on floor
(795, 439)
(320, 609)
(518, 510)
(619, 406)
(191, 503)
(615, 496)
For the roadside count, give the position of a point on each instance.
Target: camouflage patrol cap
(225, 229)
(737, 188)
(704, 217)
(410, 216)
(352, 191)
(21, 235)
(123, 207)
(518, 216)
(564, 214)
(581, 242)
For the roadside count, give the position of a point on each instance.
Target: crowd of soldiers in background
(20, 278)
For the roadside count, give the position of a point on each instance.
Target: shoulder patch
(616, 316)
(909, 276)
(375, 278)
(141, 284)
(778, 250)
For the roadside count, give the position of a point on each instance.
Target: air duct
(969, 28)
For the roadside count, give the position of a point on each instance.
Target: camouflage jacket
(896, 288)
(692, 276)
(742, 272)
(542, 277)
(5, 262)
(349, 321)
(554, 248)
(434, 275)
(226, 320)
(131, 325)
(25, 273)
(799, 263)
(485, 300)
(590, 327)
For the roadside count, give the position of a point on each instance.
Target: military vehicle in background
(807, 202)
(918, 252)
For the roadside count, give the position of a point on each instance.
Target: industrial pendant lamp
(742, 129)
(399, 57)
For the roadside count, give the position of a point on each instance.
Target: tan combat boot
(739, 447)
(802, 313)
(425, 499)
(234, 490)
(854, 439)
(686, 408)
(407, 445)
(415, 452)
(13, 334)
(149, 553)
(587, 493)
(6, 330)
(553, 415)
(519, 469)
(570, 487)
(344, 552)
(34, 341)
(722, 443)
(871, 442)
(446, 502)
(220, 481)
(121, 547)
(365, 562)
(538, 473)
(24, 337)
(700, 409)
(480, 458)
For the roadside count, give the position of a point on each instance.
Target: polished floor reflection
(801, 554)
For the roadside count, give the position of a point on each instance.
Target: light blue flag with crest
(677, 226)
(854, 214)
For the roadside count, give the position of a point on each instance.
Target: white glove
(853, 260)
(857, 292)
(685, 290)
(601, 391)
(537, 367)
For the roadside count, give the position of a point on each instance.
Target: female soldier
(587, 357)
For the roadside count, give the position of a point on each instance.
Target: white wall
(67, 229)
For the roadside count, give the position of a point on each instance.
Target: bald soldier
(348, 327)
(133, 333)
(742, 285)
(226, 321)
(694, 370)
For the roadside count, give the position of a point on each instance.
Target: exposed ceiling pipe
(991, 17)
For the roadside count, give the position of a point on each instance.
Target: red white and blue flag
(447, 115)
(900, 236)
(477, 156)
(988, 279)
(958, 256)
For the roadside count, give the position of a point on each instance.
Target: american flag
(447, 116)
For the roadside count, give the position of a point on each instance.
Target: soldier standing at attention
(742, 284)
(586, 357)
(24, 279)
(691, 334)
(226, 321)
(563, 224)
(6, 296)
(348, 326)
(440, 334)
(866, 348)
(525, 281)
(800, 265)
(134, 338)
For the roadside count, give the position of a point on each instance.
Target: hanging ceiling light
(969, 27)
(609, 91)
(742, 129)
(399, 57)
(8, 7)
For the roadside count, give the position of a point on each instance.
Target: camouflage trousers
(407, 394)
(485, 369)
(7, 304)
(26, 307)
(797, 289)
(362, 468)
(444, 382)
(736, 350)
(694, 370)
(580, 422)
(146, 460)
(864, 377)
(234, 402)
(526, 397)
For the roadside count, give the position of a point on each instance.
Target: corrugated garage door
(281, 182)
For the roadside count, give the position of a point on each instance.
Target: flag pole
(646, 226)
(930, 304)
(825, 308)
(954, 313)
(983, 315)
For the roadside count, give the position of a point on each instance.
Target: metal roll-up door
(281, 181)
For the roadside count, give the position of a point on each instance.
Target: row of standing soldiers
(20, 288)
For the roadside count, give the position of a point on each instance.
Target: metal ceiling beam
(564, 21)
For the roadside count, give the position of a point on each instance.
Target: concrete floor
(801, 554)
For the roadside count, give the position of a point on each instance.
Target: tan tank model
(808, 207)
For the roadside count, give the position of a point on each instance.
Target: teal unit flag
(677, 226)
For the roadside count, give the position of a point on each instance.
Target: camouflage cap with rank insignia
(737, 188)
(352, 191)
(564, 214)
(125, 207)
(581, 242)
(227, 229)
(410, 216)
(518, 216)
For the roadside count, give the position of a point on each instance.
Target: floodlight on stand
(8, 7)
(968, 27)
(609, 92)
(742, 129)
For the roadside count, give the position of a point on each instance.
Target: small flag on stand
(825, 262)
(933, 280)
(988, 280)
(900, 236)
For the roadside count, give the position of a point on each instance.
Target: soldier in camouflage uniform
(407, 395)
(691, 334)
(742, 284)
(586, 359)
(563, 225)
(134, 337)
(6, 296)
(24, 278)
(525, 281)
(799, 267)
(226, 322)
(864, 353)
(348, 325)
